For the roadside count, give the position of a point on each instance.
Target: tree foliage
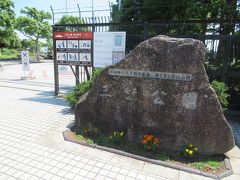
(67, 19)
(7, 22)
(222, 92)
(176, 10)
(148, 10)
(34, 25)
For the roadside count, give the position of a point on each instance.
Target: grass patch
(212, 164)
(207, 165)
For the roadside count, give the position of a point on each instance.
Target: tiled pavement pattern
(32, 147)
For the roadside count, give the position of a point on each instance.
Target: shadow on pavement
(49, 98)
(67, 110)
(234, 121)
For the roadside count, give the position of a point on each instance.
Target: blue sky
(60, 5)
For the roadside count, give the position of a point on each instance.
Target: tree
(68, 19)
(175, 10)
(34, 25)
(7, 21)
(178, 10)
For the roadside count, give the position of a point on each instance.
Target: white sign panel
(85, 44)
(61, 44)
(73, 57)
(62, 56)
(25, 61)
(72, 44)
(109, 48)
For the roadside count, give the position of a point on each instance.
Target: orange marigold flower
(155, 141)
(149, 137)
(144, 141)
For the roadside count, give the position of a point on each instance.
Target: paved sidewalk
(32, 146)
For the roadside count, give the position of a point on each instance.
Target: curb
(157, 162)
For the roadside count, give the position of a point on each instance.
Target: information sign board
(74, 48)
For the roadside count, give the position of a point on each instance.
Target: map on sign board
(109, 48)
(117, 56)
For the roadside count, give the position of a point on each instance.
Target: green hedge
(8, 54)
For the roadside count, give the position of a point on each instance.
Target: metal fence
(223, 48)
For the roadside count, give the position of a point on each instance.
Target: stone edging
(158, 162)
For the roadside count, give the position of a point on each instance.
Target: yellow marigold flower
(190, 145)
(190, 152)
(196, 149)
(114, 133)
(187, 150)
(122, 133)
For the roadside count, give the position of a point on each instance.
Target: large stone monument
(160, 88)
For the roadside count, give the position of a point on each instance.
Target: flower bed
(188, 160)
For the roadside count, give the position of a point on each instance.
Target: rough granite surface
(179, 108)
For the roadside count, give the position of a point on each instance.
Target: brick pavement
(25, 117)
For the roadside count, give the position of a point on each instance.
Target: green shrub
(73, 96)
(222, 92)
(6, 54)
